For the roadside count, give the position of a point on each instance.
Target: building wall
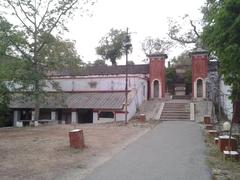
(98, 83)
(137, 84)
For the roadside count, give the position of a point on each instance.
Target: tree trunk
(36, 100)
(236, 112)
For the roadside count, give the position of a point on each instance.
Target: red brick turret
(199, 72)
(157, 75)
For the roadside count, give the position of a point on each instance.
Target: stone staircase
(176, 110)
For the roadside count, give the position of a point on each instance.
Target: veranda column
(32, 118)
(53, 115)
(16, 119)
(74, 117)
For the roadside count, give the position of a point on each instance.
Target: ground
(44, 152)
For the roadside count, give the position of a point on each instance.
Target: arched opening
(199, 88)
(156, 89)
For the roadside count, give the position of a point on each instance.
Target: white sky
(143, 17)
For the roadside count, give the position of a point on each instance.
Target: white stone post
(74, 117)
(192, 111)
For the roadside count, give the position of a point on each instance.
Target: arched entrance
(199, 88)
(156, 89)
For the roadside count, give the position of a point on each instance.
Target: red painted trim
(98, 77)
(115, 111)
(107, 110)
(121, 112)
(103, 91)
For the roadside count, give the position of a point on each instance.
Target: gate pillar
(199, 72)
(157, 75)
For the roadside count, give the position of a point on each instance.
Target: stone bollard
(223, 143)
(206, 120)
(142, 118)
(208, 126)
(212, 132)
(76, 138)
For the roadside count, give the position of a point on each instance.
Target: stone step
(169, 114)
(175, 117)
(182, 106)
(181, 97)
(175, 104)
(176, 111)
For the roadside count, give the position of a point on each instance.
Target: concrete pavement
(171, 151)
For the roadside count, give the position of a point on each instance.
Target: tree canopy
(222, 36)
(111, 46)
(39, 22)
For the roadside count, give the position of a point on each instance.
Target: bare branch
(194, 29)
(15, 10)
(39, 4)
(45, 14)
(56, 22)
(181, 40)
(25, 13)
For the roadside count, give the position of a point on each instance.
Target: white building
(96, 94)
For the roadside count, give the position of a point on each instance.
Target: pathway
(173, 150)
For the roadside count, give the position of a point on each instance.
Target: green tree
(131, 63)
(37, 20)
(222, 36)
(170, 78)
(183, 59)
(4, 102)
(99, 62)
(111, 46)
(8, 35)
(60, 54)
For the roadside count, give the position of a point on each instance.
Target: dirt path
(44, 153)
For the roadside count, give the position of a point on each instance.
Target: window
(106, 115)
